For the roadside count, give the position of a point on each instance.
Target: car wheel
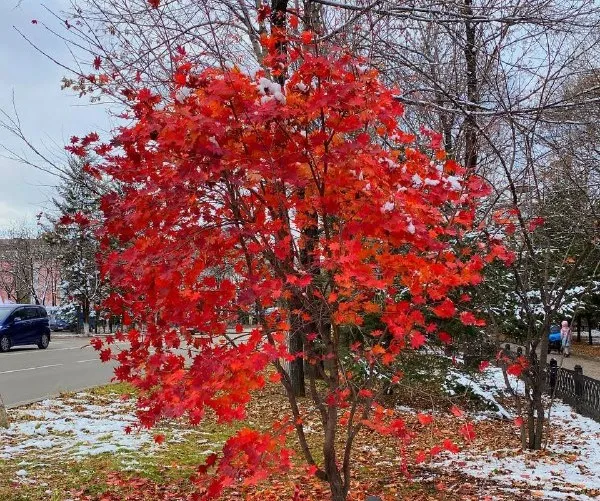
(44, 342)
(4, 343)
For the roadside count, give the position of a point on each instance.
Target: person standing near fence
(565, 338)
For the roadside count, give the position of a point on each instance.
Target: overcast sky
(48, 114)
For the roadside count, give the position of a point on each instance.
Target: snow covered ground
(568, 469)
(71, 425)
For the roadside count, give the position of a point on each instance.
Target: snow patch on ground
(483, 388)
(568, 469)
(70, 425)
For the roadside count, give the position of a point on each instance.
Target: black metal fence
(573, 388)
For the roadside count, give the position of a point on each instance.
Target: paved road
(28, 373)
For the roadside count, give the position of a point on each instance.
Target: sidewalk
(591, 366)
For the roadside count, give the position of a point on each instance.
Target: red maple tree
(306, 207)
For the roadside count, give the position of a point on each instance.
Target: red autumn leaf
(105, 355)
(264, 11)
(417, 340)
(467, 318)
(306, 37)
(445, 310)
(34, 21)
(154, 3)
(456, 411)
(483, 365)
(97, 62)
(535, 222)
(518, 421)
(302, 281)
(210, 460)
(450, 446)
(159, 439)
(435, 138)
(420, 457)
(294, 22)
(424, 419)
(515, 369)
(65, 219)
(96, 343)
(467, 431)
(445, 338)
(282, 248)
(518, 367)
(435, 450)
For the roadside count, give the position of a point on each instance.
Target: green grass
(112, 390)
(177, 458)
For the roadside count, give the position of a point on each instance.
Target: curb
(24, 403)
(59, 335)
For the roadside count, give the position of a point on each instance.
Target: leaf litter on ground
(88, 432)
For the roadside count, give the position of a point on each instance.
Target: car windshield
(4, 312)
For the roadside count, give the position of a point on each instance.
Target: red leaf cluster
(240, 196)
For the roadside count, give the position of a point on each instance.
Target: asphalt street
(28, 373)
(69, 364)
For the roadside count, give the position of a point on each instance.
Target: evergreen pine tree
(76, 215)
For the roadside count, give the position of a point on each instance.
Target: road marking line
(32, 368)
(35, 350)
(89, 360)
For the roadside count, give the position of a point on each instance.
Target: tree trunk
(278, 21)
(530, 416)
(589, 326)
(535, 389)
(86, 318)
(540, 417)
(470, 51)
(334, 477)
(337, 492)
(295, 367)
(579, 328)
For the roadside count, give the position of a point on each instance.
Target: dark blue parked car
(61, 324)
(23, 324)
